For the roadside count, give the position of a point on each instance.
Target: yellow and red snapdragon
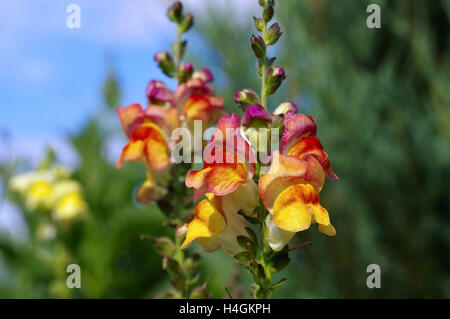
(290, 189)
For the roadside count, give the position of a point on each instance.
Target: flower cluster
(51, 190)
(149, 130)
(252, 174)
(289, 191)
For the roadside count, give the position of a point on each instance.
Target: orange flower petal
(286, 171)
(147, 145)
(225, 178)
(311, 146)
(195, 179)
(130, 117)
(132, 152)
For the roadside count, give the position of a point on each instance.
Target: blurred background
(381, 98)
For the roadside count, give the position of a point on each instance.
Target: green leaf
(251, 220)
(279, 261)
(278, 284)
(243, 257)
(252, 235)
(243, 240)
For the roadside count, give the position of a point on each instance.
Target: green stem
(178, 54)
(263, 74)
(263, 86)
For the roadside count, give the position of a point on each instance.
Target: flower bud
(255, 123)
(165, 246)
(246, 97)
(279, 114)
(165, 62)
(285, 107)
(273, 34)
(263, 3)
(268, 12)
(259, 24)
(175, 12)
(157, 92)
(186, 23)
(258, 46)
(274, 78)
(185, 71)
(204, 74)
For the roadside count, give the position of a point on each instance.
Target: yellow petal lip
(290, 212)
(297, 207)
(327, 230)
(207, 223)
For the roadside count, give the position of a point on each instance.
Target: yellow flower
(216, 225)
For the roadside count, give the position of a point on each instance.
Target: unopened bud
(255, 124)
(186, 23)
(263, 3)
(246, 97)
(259, 24)
(175, 12)
(165, 62)
(274, 78)
(273, 34)
(204, 74)
(185, 71)
(268, 12)
(258, 46)
(285, 107)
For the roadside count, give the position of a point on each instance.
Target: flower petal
(225, 178)
(130, 117)
(207, 223)
(195, 179)
(327, 230)
(132, 152)
(296, 126)
(255, 111)
(311, 146)
(297, 206)
(286, 171)
(149, 191)
(185, 90)
(148, 145)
